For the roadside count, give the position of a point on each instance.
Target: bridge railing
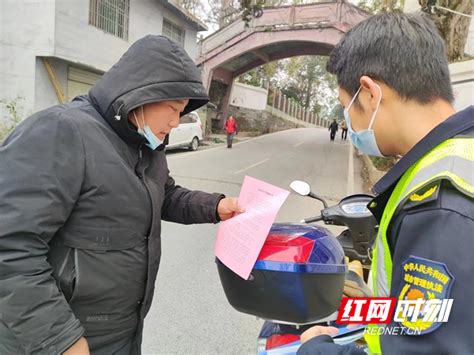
(290, 107)
(318, 13)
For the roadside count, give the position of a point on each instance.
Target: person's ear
(371, 92)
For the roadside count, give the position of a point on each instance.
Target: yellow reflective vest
(452, 160)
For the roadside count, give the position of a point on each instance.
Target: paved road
(190, 314)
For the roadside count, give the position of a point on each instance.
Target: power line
(454, 12)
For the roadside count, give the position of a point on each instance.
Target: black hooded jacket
(81, 204)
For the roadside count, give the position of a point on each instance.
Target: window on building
(110, 16)
(173, 32)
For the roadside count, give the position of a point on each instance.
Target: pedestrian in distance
(231, 129)
(395, 87)
(344, 130)
(84, 187)
(333, 129)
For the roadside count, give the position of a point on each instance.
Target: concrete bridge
(281, 32)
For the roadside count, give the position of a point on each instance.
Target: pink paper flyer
(240, 239)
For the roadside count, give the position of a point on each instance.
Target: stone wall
(260, 121)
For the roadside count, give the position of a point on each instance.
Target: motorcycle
(300, 275)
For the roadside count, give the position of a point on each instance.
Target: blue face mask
(364, 140)
(153, 141)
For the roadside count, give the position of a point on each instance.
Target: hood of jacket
(153, 69)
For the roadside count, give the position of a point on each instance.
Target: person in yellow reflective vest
(395, 87)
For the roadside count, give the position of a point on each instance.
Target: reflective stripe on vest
(452, 160)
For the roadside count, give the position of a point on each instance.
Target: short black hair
(404, 51)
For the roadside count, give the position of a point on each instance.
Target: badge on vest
(423, 195)
(424, 294)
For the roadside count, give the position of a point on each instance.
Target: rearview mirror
(300, 187)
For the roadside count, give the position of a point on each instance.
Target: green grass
(382, 163)
(10, 122)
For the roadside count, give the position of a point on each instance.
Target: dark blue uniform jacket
(436, 231)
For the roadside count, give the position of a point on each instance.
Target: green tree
(454, 28)
(375, 6)
(308, 83)
(260, 76)
(337, 112)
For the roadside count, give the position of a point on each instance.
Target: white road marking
(188, 154)
(297, 144)
(273, 134)
(251, 166)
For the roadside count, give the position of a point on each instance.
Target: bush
(8, 125)
(217, 140)
(382, 163)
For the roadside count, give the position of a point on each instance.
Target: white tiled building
(54, 48)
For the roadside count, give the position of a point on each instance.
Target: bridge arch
(281, 32)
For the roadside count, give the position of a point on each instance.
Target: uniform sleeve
(187, 207)
(323, 345)
(41, 172)
(434, 257)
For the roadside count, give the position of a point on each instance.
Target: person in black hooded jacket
(83, 189)
(333, 129)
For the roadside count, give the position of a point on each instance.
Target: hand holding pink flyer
(240, 239)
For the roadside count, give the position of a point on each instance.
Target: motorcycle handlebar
(312, 219)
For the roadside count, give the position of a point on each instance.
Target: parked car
(188, 134)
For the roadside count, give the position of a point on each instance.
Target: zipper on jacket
(140, 172)
(63, 264)
(143, 178)
(138, 169)
(141, 175)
